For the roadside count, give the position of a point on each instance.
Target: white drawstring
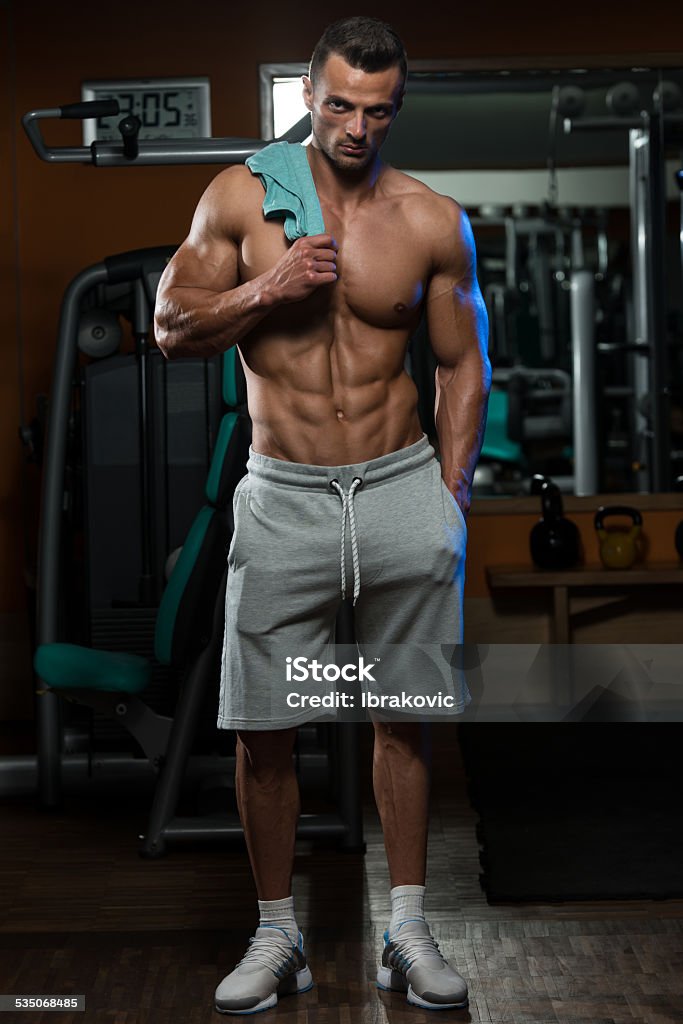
(348, 507)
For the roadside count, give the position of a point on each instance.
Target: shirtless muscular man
(322, 327)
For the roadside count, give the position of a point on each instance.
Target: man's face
(352, 111)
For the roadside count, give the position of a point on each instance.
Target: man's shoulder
(422, 204)
(236, 180)
(230, 198)
(439, 220)
(402, 184)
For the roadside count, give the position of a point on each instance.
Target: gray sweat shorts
(386, 533)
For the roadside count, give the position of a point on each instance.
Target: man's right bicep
(206, 264)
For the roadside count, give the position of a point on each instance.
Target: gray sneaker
(272, 966)
(412, 963)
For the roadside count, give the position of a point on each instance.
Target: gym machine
(166, 741)
(530, 423)
(630, 408)
(650, 388)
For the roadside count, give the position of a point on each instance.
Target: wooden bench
(565, 582)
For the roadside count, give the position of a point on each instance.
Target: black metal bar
(169, 151)
(52, 511)
(195, 829)
(659, 372)
(185, 719)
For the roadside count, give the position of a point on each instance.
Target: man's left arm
(458, 331)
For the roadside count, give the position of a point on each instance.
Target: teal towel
(290, 191)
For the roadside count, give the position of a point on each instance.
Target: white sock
(407, 901)
(280, 913)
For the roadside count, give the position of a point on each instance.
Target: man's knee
(413, 736)
(266, 754)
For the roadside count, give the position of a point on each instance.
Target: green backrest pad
(71, 667)
(185, 612)
(232, 379)
(188, 602)
(229, 459)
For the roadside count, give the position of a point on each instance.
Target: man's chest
(382, 272)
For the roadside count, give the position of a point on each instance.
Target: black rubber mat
(577, 811)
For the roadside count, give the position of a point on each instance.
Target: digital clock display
(168, 108)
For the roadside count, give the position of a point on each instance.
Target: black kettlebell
(678, 536)
(554, 541)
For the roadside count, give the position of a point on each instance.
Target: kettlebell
(554, 540)
(619, 546)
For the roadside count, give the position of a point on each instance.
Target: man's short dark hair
(365, 43)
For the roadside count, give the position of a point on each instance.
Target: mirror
(570, 180)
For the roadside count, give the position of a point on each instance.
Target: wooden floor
(148, 941)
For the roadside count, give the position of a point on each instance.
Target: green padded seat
(70, 667)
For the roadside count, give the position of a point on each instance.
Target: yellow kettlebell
(619, 546)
